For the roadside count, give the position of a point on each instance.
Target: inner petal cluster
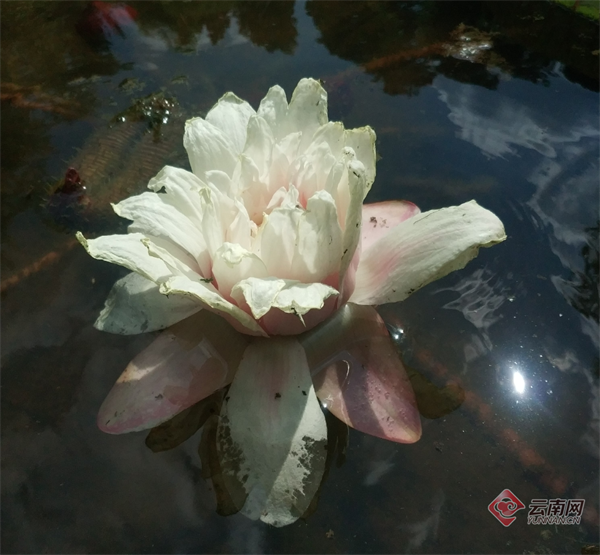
(272, 204)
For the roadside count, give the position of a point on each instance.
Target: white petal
(259, 144)
(357, 190)
(182, 256)
(278, 172)
(182, 190)
(280, 197)
(175, 264)
(127, 251)
(254, 193)
(231, 114)
(241, 228)
(233, 263)
(309, 173)
(210, 298)
(134, 305)
(307, 110)
(275, 243)
(213, 227)
(333, 134)
(319, 240)
(153, 215)
(289, 296)
(273, 108)
(272, 434)
(208, 148)
(221, 181)
(362, 142)
(299, 298)
(258, 294)
(422, 249)
(289, 145)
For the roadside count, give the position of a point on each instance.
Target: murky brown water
(496, 101)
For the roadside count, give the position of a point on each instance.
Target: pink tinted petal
(379, 218)
(424, 248)
(359, 376)
(186, 363)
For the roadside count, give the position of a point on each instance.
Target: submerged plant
(270, 233)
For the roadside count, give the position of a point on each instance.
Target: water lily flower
(264, 264)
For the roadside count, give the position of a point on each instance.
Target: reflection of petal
(364, 382)
(427, 528)
(422, 249)
(379, 218)
(272, 434)
(184, 425)
(186, 363)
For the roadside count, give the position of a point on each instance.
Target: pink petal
(359, 376)
(186, 363)
(424, 248)
(379, 218)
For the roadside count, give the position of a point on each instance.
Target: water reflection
(427, 529)
(416, 41)
(190, 26)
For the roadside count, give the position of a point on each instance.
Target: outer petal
(153, 215)
(379, 218)
(272, 435)
(186, 363)
(422, 249)
(182, 189)
(359, 376)
(211, 299)
(134, 305)
(231, 114)
(128, 251)
(208, 148)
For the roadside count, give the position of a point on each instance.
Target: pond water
(492, 101)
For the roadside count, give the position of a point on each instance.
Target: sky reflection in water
(517, 330)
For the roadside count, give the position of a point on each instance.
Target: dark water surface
(511, 121)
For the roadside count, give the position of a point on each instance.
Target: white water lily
(269, 231)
